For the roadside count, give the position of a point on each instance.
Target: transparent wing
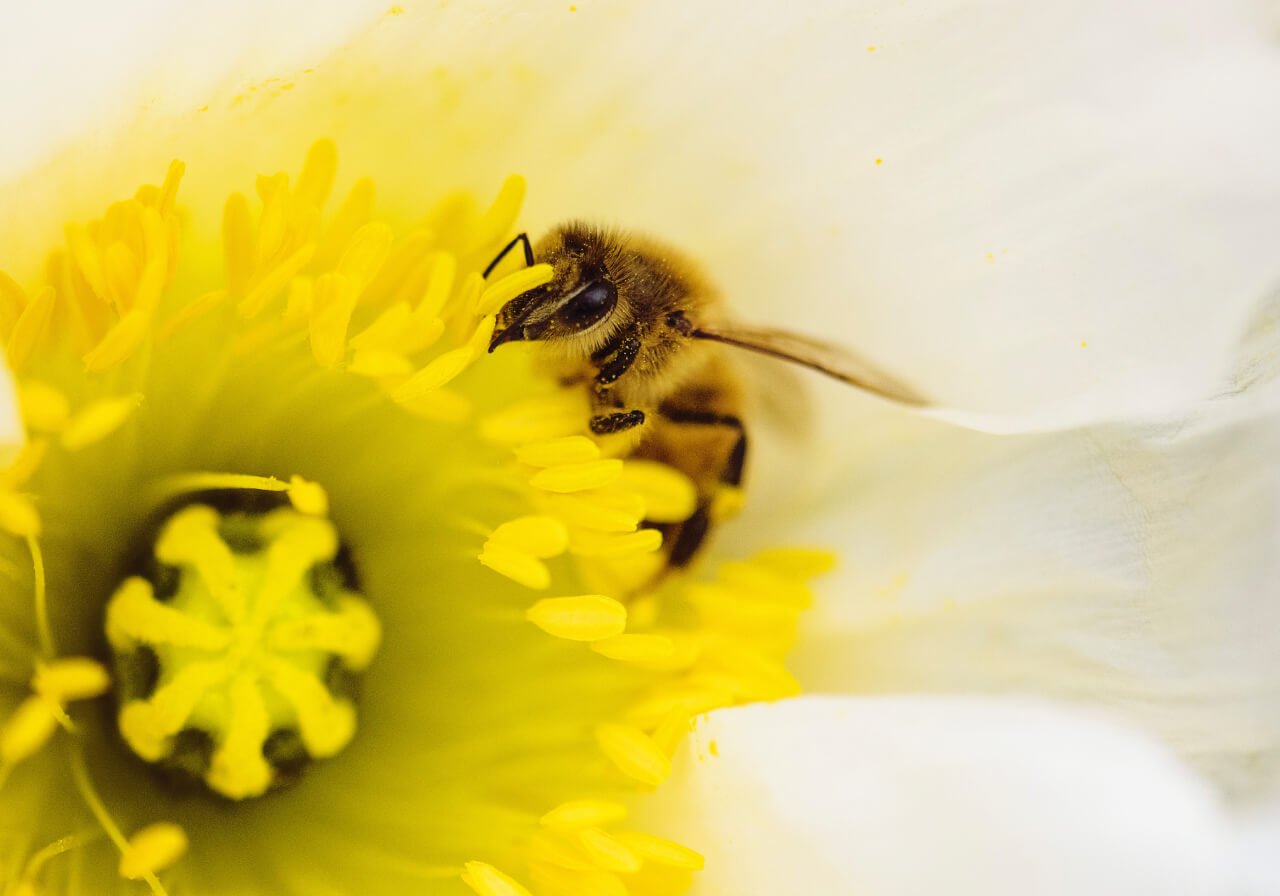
(832, 360)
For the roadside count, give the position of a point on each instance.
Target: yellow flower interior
(530, 679)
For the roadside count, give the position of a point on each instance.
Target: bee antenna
(528, 254)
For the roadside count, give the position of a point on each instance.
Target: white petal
(1075, 207)
(1135, 567)
(927, 796)
(1258, 851)
(84, 63)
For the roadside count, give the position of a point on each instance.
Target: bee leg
(688, 536)
(617, 356)
(528, 254)
(607, 424)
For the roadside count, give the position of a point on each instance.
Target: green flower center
(236, 654)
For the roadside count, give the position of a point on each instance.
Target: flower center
(237, 651)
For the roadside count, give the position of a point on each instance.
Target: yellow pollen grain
(634, 753)
(607, 853)
(569, 478)
(585, 813)
(661, 851)
(70, 678)
(516, 565)
(538, 536)
(669, 496)
(99, 420)
(553, 452)
(151, 849)
(510, 286)
(633, 648)
(589, 617)
(485, 880)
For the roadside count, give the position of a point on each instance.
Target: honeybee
(641, 329)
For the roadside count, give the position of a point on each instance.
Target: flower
(950, 578)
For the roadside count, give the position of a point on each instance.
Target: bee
(640, 327)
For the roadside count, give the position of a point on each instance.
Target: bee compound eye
(590, 305)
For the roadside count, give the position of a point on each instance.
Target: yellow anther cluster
(244, 644)
(709, 644)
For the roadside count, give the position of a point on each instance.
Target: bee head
(579, 302)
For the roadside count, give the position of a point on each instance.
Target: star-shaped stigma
(237, 657)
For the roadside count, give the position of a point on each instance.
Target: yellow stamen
(516, 565)
(568, 478)
(553, 452)
(27, 730)
(585, 813)
(70, 678)
(44, 408)
(486, 880)
(99, 420)
(661, 851)
(41, 596)
(538, 536)
(669, 496)
(151, 849)
(606, 852)
(615, 544)
(29, 330)
(634, 753)
(586, 618)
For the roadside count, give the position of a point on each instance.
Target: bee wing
(832, 360)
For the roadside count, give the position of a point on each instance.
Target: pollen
(244, 619)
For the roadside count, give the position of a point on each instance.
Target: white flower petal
(928, 796)
(1075, 210)
(83, 63)
(1131, 566)
(1258, 851)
